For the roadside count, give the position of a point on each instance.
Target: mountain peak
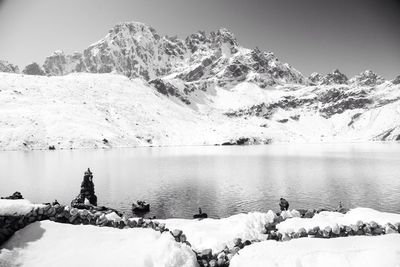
(367, 78)
(336, 77)
(6, 66)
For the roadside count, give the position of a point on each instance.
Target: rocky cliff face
(137, 50)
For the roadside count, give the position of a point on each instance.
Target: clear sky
(311, 35)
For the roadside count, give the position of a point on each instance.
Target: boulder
(176, 233)
(213, 263)
(206, 254)
(237, 242)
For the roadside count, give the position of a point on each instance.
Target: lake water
(222, 180)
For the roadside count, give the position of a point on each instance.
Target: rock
(176, 233)
(221, 255)
(247, 242)
(302, 232)
(373, 224)
(237, 242)
(229, 256)
(349, 230)
(327, 232)
(182, 238)
(213, 263)
(397, 225)
(221, 262)
(336, 229)
(286, 237)
(270, 227)
(33, 69)
(132, 223)
(309, 214)
(378, 231)
(73, 211)
(354, 227)
(206, 254)
(234, 250)
(390, 229)
(15, 195)
(204, 263)
(360, 224)
(313, 231)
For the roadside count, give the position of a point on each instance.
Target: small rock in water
(336, 229)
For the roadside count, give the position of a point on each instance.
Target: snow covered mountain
(135, 87)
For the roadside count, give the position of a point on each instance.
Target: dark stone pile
(15, 195)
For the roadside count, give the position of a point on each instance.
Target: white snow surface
(218, 233)
(329, 218)
(16, 207)
(82, 110)
(47, 243)
(355, 251)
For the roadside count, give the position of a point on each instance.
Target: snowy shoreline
(216, 242)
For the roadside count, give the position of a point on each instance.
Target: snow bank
(329, 218)
(16, 207)
(53, 244)
(314, 252)
(218, 233)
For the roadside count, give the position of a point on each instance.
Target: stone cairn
(206, 258)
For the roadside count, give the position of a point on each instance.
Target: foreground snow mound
(314, 252)
(53, 244)
(16, 207)
(218, 233)
(329, 218)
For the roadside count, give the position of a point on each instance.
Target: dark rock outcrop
(33, 69)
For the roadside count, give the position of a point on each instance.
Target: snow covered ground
(16, 207)
(218, 233)
(355, 251)
(83, 110)
(47, 243)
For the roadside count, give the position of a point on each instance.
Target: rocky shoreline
(56, 212)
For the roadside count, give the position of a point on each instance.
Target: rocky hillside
(218, 92)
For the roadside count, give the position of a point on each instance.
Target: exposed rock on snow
(336, 77)
(215, 234)
(367, 78)
(33, 69)
(6, 66)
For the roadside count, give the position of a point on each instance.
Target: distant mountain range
(251, 94)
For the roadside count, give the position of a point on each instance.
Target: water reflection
(222, 180)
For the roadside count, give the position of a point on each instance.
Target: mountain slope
(135, 87)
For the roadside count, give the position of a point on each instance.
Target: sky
(311, 35)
